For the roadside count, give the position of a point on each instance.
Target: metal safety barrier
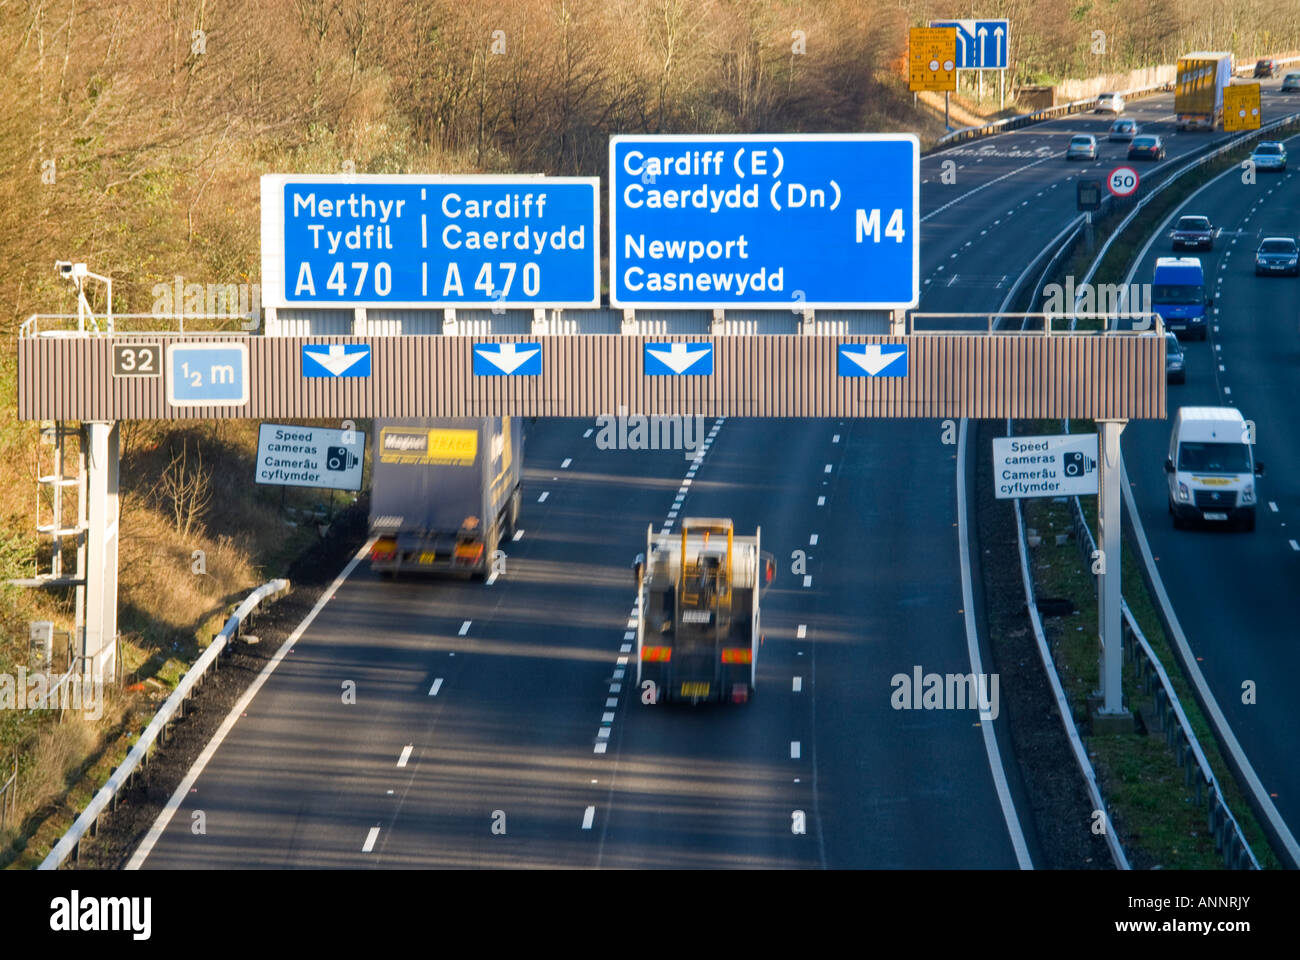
(173, 708)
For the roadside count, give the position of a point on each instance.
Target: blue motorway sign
(352, 240)
(981, 44)
(793, 221)
(676, 359)
(335, 360)
(507, 359)
(872, 360)
(207, 374)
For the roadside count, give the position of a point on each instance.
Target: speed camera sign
(1123, 181)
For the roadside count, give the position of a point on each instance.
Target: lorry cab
(1212, 468)
(1178, 295)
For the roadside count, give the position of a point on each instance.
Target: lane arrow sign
(872, 358)
(507, 358)
(337, 359)
(679, 357)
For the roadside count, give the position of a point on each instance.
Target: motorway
(528, 746)
(1234, 593)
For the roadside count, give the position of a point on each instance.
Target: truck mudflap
(694, 679)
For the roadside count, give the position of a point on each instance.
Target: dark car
(1277, 255)
(1146, 147)
(1175, 362)
(1265, 68)
(1195, 232)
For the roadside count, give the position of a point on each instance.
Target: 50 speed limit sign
(1122, 181)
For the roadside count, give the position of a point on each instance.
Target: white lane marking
(1227, 389)
(518, 534)
(618, 674)
(828, 469)
(542, 498)
(977, 668)
(587, 434)
(984, 185)
(1294, 545)
(798, 684)
(406, 754)
(794, 749)
(812, 541)
(622, 661)
(615, 687)
(600, 747)
(630, 635)
(464, 628)
(626, 648)
(807, 580)
(492, 578)
(802, 631)
(1222, 368)
(835, 439)
(611, 702)
(603, 733)
(565, 464)
(607, 718)
(1272, 506)
(588, 818)
(371, 837)
(821, 501)
(437, 685)
(183, 788)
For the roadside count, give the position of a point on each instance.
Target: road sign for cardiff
(767, 221)
(353, 240)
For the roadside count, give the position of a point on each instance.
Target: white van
(1211, 467)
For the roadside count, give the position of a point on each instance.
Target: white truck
(698, 629)
(1212, 467)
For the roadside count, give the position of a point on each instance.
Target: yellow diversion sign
(1241, 107)
(932, 58)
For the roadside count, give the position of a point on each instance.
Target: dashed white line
(1294, 545)
(565, 464)
(603, 733)
(821, 501)
(542, 498)
(611, 702)
(798, 684)
(607, 718)
(371, 837)
(406, 754)
(587, 434)
(828, 469)
(812, 540)
(1272, 506)
(600, 747)
(802, 631)
(518, 534)
(588, 818)
(835, 439)
(464, 627)
(807, 580)
(437, 685)
(794, 749)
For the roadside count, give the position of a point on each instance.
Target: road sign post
(421, 240)
(1241, 107)
(766, 221)
(1109, 601)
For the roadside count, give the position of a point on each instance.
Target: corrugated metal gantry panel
(948, 375)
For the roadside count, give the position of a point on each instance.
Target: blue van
(1178, 295)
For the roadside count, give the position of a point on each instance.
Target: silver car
(1083, 146)
(1123, 130)
(1269, 155)
(1291, 83)
(1109, 103)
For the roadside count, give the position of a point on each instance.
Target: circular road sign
(1122, 181)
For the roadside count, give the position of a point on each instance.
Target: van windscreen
(1177, 293)
(1194, 457)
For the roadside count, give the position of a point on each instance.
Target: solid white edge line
(183, 789)
(977, 667)
(1220, 723)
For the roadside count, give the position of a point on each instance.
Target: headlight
(1248, 493)
(1183, 495)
